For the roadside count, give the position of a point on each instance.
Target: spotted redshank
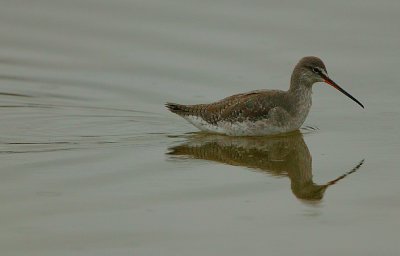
(262, 112)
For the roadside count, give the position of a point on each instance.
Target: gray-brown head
(310, 70)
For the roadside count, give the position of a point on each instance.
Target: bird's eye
(316, 70)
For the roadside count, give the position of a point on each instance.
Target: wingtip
(173, 107)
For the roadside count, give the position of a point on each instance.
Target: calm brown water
(93, 164)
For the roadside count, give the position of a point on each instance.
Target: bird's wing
(253, 106)
(236, 108)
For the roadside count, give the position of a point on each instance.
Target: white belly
(246, 128)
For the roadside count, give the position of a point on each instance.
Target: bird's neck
(299, 81)
(300, 92)
(300, 85)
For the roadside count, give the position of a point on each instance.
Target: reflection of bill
(281, 156)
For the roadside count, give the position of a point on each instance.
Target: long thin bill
(334, 85)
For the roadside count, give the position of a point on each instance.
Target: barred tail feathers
(178, 108)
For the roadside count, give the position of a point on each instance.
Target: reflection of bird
(282, 156)
(262, 112)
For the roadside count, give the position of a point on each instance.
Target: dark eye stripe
(316, 70)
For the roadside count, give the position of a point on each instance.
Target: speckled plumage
(262, 112)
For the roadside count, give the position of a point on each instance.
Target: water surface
(93, 164)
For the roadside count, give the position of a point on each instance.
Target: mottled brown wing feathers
(252, 106)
